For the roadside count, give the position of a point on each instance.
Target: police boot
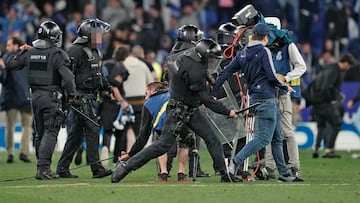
(102, 172)
(23, 157)
(46, 174)
(120, 172)
(230, 178)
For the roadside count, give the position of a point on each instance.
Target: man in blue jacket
(255, 61)
(16, 99)
(153, 118)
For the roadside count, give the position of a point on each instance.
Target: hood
(252, 49)
(42, 44)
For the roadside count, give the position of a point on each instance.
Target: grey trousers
(26, 124)
(286, 110)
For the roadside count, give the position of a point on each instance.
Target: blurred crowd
(322, 29)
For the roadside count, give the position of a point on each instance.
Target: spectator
(150, 59)
(165, 48)
(148, 37)
(12, 24)
(109, 107)
(115, 13)
(118, 37)
(190, 14)
(327, 86)
(30, 12)
(135, 88)
(139, 52)
(225, 9)
(89, 11)
(16, 99)
(312, 64)
(308, 13)
(71, 28)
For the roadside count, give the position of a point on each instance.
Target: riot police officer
(187, 37)
(187, 92)
(48, 69)
(87, 68)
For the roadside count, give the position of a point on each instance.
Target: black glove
(111, 90)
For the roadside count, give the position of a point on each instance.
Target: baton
(84, 115)
(249, 107)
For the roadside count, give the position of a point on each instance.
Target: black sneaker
(331, 155)
(67, 174)
(120, 172)
(78, 156)
(102, 173)
(46, 175)
(315, 154)
(10, 159)
(230, 178)
(162, 177)
(23, 157)
(182, 177)
(202, 174)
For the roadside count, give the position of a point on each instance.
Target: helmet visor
(59, 40)
(213, 64)
(224, 38)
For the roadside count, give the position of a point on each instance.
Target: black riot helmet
(205, 49)
(226, 33)
(50, 31)
(189, 33)
(88, 27)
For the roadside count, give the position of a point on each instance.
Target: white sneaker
(355, 156)
(232, 167)
(104, 155)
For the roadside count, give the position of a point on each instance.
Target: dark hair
(121, 53)
(159, 86)
(349, 58)
(16, 40)
(258, 37)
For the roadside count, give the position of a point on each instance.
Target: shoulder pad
(63, 54)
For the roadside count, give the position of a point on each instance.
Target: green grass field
(326, 180)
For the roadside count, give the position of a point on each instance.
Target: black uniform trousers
(47, 120)
(81, 127)
(197, 123)
(327, 113)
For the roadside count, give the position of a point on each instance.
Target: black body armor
(41, 69)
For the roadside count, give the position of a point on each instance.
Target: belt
(86, 96)
(137, 102)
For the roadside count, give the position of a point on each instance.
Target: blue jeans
(269, 130)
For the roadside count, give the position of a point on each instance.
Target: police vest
(90, 73)
(176, 86)
(283, 66)
(41, 68)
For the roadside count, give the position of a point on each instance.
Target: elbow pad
(196, 86)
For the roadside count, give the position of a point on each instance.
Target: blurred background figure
(15, 99)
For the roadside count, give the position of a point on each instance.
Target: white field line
(130, 185)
